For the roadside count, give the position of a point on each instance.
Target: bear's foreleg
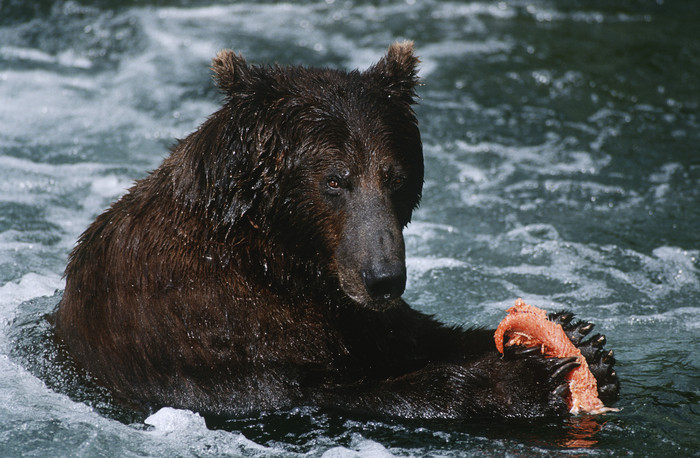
(519, 386)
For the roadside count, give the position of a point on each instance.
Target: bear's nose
(385, 281)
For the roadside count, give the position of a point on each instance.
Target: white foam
(418, 265)
(66, 58)
(28, 287)
(662, 180)
(686, 318)
(551, 157)
(533, 233)
(24, 396)
(37, 184)
(431, 55)
(461, 48)
(677, 265)
(168, 420)
(272, 20)
(109, 186)
(499, 10)
(31, 54)
(471, 173)
(187, 430)
(360, 447)
(426, 229)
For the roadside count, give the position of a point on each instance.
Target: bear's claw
(562, 391)
(600, 362)
(576, 331)
(566, 366)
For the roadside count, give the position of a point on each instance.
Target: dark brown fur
(260, 267)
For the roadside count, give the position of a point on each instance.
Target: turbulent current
(562, 166)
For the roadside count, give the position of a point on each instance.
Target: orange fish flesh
(528, 326)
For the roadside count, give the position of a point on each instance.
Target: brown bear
(261, 266)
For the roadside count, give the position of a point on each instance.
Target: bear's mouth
(378, 305)
(382, 305)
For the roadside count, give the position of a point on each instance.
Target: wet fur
(233, 280)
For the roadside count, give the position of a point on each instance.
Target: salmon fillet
(528, 326)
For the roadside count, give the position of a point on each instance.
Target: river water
(562, 166)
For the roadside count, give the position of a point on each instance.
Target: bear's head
(326, 166)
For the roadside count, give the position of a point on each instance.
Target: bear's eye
(396, 182)
(335, 182)
(334, 185)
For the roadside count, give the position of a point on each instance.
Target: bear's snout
(385, 281)
(371, 256)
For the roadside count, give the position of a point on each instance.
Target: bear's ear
(231, 71)
(399, 68)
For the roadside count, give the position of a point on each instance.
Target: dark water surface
(562, 166)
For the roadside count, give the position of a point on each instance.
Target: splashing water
(562, 166)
